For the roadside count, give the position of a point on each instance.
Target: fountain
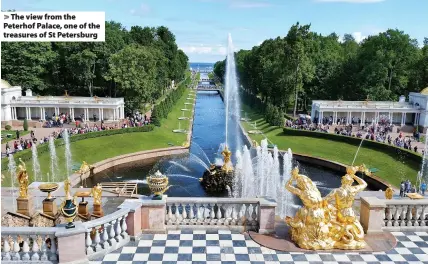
(54, 159)
(179, 130)
(12, 175)
(68, 160)
(182, 117)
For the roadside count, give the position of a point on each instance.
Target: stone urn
(158, 184)
(69, 210)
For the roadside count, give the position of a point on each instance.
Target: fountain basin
(179, 131)
(183, 118)
(185, 110)
(255, 132)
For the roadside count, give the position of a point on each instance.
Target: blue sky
(201, 26)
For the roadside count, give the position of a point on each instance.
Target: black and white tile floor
(199, 246)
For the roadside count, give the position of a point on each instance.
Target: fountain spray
(36, 168)
(12, 173)
(54, 158)
(68, 157)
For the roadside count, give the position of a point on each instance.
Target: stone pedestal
(25, 206)
(153, 215)
(372, 214)
(98, 210)
(266, 215)
(49, 207)
(83, 209)
(133, 220)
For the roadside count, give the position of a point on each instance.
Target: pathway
(224, 246)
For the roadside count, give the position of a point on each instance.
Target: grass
(390, 169)
(13, 133)
(96, 149)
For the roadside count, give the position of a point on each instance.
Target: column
(415, 122)
(322, 117)
(402, 119)
(42, 117)
(72, 114)
(334, 118)
(102, 113)
(362, 119)
(114, 114)
(99, 114)
(86, 114)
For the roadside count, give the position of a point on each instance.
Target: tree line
(291, 71)
(137, 64)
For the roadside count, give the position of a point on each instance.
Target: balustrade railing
(107, 233)
(213, 212)
(25, 244)
(405, 213)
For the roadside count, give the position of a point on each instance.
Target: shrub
(26, 155)
(8, 127)
(25, 125)
(154, 118)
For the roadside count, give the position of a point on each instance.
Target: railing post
(372, 214)
(133, 220)
(266, 215)
(153, 215)
(71, 244)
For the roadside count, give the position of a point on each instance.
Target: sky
(201, 26)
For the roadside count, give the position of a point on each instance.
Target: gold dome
(425, 91)
(5, 84)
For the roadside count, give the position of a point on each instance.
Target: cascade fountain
(68, 157)
(36, 164)
(12, 174)
(423, 175)
(54, 159)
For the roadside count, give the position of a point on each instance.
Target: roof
(5, 84)
(424, 91)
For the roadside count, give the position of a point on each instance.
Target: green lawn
(390, 169)
(97, 149)
(4, 134)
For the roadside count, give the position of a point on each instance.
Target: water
(54, 159)
(36, 164)
(424, 167)
(12, 175)
(68, 157)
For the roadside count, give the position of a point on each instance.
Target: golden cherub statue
(347, 230)
(67, 185)
(96, 192)
(389, 192)
(227, 166)
(22, 179)
(310, 226)
(84, 168)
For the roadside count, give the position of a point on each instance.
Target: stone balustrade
(25, 244)
(106, 234)
(378, 215)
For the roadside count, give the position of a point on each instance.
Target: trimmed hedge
(387, 149)
(26, 155)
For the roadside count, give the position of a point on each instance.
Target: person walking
(408, 185)
(423, 188)
(402, 189)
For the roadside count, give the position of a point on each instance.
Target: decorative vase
(158, 184)
(69, 210)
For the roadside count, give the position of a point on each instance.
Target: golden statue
(255, 144)
(389, 192)
(311, 224)
(227, 165)
(347, 230)
(22, 179)
(84, 168)
(96, 193)
(320, 225)
(67, 185)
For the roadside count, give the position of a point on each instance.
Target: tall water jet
(231, 98)
(12, 174)
(68, 157)
(36, 163)
(54, 159)
(424, 167)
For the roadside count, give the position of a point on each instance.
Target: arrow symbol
(6, 16)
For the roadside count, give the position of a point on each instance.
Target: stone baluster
(184, 213)
(97, 239)
(89, 249)
(247, 214)
(54, 253)
(170, 215)
(396, 216)
(200, 214)
(105, 243)
(241, 220)
(226, 214)
(254, 222)
(177, 214)
(409, 215)
(403, 216)
(124, 227)
(16, 248)
(118, 231)
(35, 249)
(388, 213)
(25, 249)
(112, 234)
(218, 214)
(416, 215)
(6, 249)
(44, 256)
(166, 214)
(234, 215)
(422, 216)
(212, 213)
(191, 213)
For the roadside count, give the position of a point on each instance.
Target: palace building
(404, 112)
(16, 106)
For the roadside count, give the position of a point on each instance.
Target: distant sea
(201, 65)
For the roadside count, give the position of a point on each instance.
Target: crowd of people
(136, 120)
(407, 187)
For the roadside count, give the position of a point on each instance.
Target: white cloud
(215, 49)
(352, 1)
(144, 9)
(358, 36)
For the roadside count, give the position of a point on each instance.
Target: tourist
(17, 134)
(423, 188)
(402, 189)
(408, 186)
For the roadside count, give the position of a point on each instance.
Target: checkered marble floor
(187, 246)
